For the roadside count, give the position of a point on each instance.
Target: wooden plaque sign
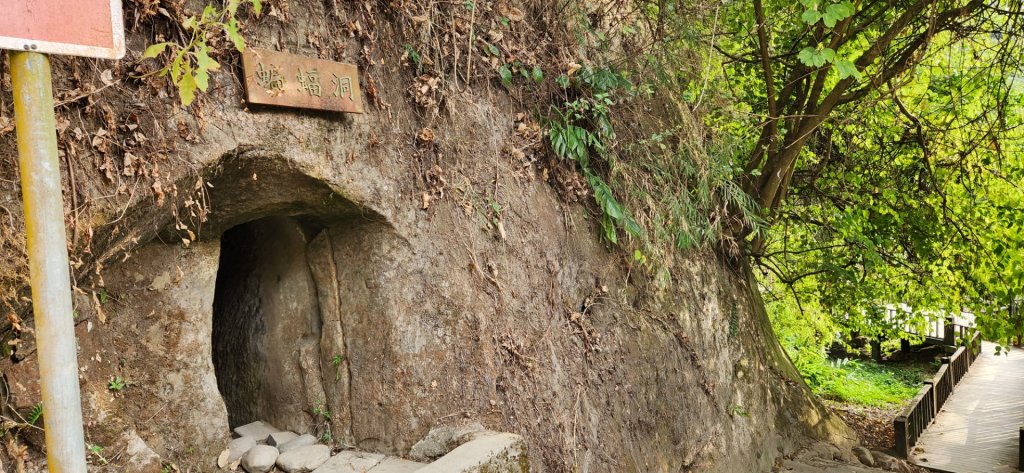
(90, 28)
(290, 80)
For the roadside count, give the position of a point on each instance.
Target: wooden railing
(942, 384)
(1020, 450)
(909, 425)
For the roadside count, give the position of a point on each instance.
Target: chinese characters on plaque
(289, 80)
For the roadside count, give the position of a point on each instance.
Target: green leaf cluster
(190, 63)
(582, 128)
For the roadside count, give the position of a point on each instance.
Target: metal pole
(48, 262)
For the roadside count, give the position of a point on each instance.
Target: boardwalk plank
(977, 430)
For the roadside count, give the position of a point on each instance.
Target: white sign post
(31, 28)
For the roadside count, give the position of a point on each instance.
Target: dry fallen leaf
(99, 309)
(222, 460)
(107, 77)
(573, 67)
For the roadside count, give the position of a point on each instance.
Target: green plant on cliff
(190, 63)
(581, 130)
(322, 416)
(117, 384)
(35, 414)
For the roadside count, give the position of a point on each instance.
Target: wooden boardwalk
(977, 430)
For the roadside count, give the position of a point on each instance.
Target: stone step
(489, 451)
(258, 430)
(474, 451)
(396, 465)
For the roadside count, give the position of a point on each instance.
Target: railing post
(899, 426)
(949, 337)
(935, 398)
(1020, 450)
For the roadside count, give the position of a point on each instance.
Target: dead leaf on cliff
(222, 460)
(425, 136)
(107, 77)
(15, 322)
(501, 230)
(98, 307)
(17, 452)
(130, 164)
(6, 125)
(573, 67)
(158, 191)
(512, 13)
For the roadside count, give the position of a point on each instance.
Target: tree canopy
(885, 151)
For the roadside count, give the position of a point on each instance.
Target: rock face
(864, 456)
(346, 277)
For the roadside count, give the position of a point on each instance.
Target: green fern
(35, 414)
(583, 126)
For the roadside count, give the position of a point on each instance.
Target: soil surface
(872, 424)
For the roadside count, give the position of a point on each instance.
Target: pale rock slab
(258, 430)
(280, 438)
(300, 441)
(237, 448)
(396, 465)
(864, 455)
(141, 458)
(350, 462)
(501, 452)
(260, 459)
(443, 439)
(304, 459)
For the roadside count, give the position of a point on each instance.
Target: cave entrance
(265, 317)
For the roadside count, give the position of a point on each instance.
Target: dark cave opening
(265, 310)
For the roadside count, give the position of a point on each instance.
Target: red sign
(90, 28)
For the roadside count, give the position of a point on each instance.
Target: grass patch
(864, 383)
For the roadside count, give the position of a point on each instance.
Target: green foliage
(117, 384)
(508, 72)
(805, 331)
(321, 410)
(886, 151)
(827, 12)
(897, 213)
(581, 130)
(35, 414)
(336, 361)
(190, 64)
(323, 421)
(97, 451)
(412, 54)
(859, 382)
(691, 193)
